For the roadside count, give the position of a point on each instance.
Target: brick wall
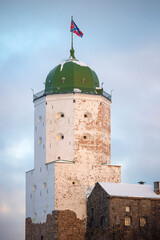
(60, 225)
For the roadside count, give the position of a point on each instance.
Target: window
(59, 136)
(42, 237)
(39, 140)
(34, 188)
(127, 221)
(63, 80)
(44, 212)
(60, 115)
(87, 136)
(128, 208)
(143, 221)
(102, 221)
(44, 185)
(87, 115)
(39, 118)
(74, 101)
(49, 83)
(35, 215)
(59, 157)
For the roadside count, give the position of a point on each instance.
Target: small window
(39, 118)
(63, 80)
(44, 185)
(40, 193)
(35, 215)
(87, 115)
(74, 101)
(59, 157)
(43, 146)
(128, 208)
(36, 128)
(92, 210)
(49, 83)
(31, 196)
(59, 136)
(127, 221)
(83, 80)
(34, 188)
(46, 167)
(87, 137)
(143, 222)
(40, 169)
(102, 221)
(60, 115)
(42, 237)
(44, 212)
(39, 140)
(75, 182)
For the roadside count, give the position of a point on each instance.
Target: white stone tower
(72, 142)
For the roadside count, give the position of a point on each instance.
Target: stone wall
(106, 217)
(60, 225)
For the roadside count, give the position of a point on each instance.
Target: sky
(121, 43)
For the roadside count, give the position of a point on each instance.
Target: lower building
(123, 211)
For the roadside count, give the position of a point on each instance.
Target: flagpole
(71, 35)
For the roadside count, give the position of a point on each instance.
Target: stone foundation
(60, 225)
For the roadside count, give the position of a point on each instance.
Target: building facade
(123, 211)
(72, 142)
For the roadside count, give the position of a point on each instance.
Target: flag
(75, 29)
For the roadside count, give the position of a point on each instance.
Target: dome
(72, 76)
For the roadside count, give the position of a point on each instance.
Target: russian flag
(75, 29)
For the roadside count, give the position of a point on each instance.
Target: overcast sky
(121, 43)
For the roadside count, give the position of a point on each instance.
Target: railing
(75, 90)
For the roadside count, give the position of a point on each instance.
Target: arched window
(42, 237)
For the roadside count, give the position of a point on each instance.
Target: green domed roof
(72, 76)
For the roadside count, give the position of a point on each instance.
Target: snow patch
(76, 90)
(74, 61)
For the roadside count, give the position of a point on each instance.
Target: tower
(72, 144)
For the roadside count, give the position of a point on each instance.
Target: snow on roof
(74, 61)
(129, 190)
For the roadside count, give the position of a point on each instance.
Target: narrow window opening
(74, 101)
(46, 103)
(42, 237)
(59, 157)
(39, 140)
(39, 118)
(102, 221)
(40, 193)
